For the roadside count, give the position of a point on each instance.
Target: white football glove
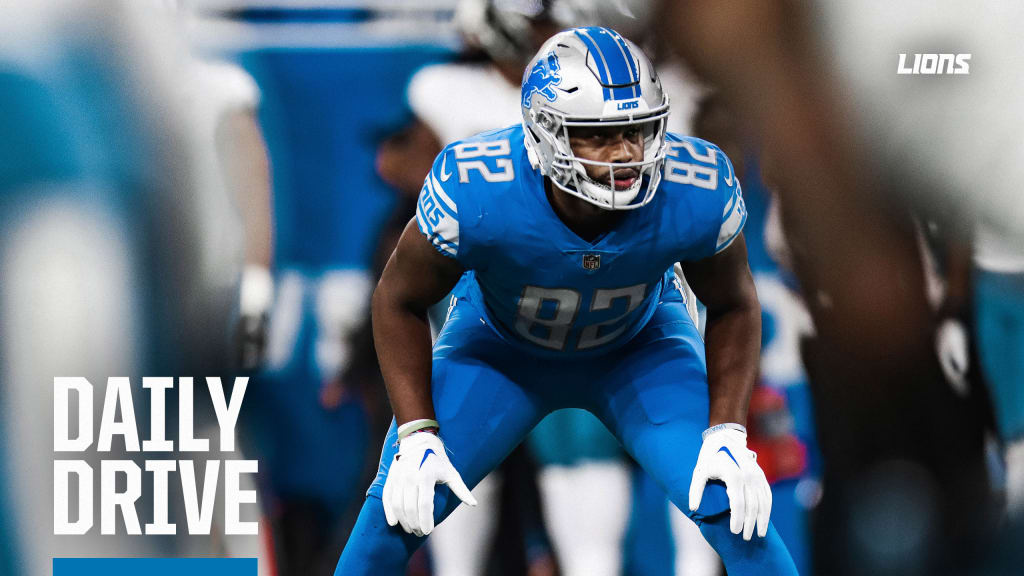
(724, 456)
(951, 346)
(408, 497)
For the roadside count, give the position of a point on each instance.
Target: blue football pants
(651, 393)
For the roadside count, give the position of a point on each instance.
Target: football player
(572, 448)
(558, 237)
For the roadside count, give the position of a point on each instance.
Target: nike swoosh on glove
(724, 456)
(420, 463)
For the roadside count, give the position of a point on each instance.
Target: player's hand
(255, 299)
(951, 346)
(420, 463)
(724, 456)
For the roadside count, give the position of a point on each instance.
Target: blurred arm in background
(405, 157)
(246, 166)
(856, 252)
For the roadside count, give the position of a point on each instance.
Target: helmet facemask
(568, 171)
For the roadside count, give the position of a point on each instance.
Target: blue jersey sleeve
(711, 198)
(469, 179)
(437, 210)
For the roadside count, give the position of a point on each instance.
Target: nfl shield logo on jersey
(591, 261)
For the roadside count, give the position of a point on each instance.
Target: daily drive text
(121, 471)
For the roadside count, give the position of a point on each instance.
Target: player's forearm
(402, 338)
(732, 341)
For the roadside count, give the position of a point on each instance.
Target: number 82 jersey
(542, 287)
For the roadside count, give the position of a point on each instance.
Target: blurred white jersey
(684, 93)
(995, 253)
(459, 100)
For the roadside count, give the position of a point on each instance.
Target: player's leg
(459, 546)
(586, 508)
(585, 490)
(483, 415)
(585, 484)
(378, 549)
(653, 395)
(694, 556)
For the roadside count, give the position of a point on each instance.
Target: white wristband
(725, 426)
(415, 426)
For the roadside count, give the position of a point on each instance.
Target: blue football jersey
(542, 286)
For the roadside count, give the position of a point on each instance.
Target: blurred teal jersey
(543, 287)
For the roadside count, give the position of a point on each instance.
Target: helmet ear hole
(547, 121)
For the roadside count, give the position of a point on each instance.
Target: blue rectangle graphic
(154, 566)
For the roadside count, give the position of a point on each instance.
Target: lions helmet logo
(541, 78)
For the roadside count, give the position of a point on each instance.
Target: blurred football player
(121, 240)
(855, 147)
(559, 249)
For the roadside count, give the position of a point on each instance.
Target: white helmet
(505, 29)
(593, 77)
